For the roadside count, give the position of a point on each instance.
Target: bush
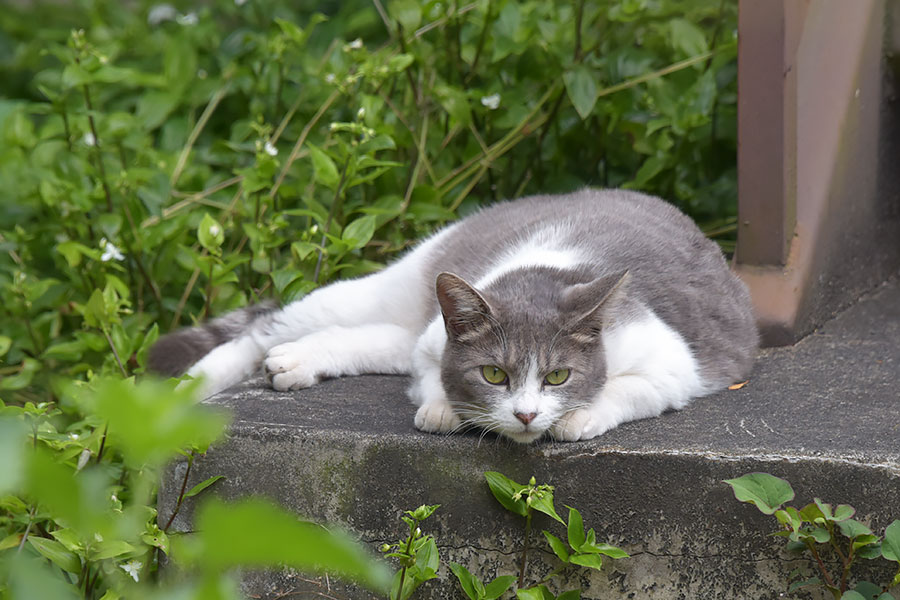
(160, 164)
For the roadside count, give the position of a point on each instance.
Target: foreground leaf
(765, 491)
(504, 489)
(270, 536)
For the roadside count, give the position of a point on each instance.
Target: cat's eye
(556, 377)
(494, 374)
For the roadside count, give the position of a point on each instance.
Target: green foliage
(162, 164)
(817, 528)
(417, 554)
(583, 549)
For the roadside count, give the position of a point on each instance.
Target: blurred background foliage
(163, 162)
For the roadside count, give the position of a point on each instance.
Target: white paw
(291, 367)
(436, 417)
(580, 424)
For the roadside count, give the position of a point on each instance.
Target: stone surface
(824, 414)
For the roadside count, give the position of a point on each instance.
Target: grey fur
(672, 268)
(174, 353)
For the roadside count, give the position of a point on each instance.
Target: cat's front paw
(436, 417)
(289, 367)
(580, 424)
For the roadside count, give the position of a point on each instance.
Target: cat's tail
(174, 353)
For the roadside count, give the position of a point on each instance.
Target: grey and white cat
(564, 314)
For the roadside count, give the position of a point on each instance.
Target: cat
(563, 315)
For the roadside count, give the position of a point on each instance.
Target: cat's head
(526, 349)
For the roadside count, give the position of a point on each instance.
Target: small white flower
(214, 230)
(160, 13)
(89, 139)
(360, 114)
(73, 436)
(83, 459)
(113, 498)
(98, 537)
(492, 101)
(270, 149)
(110, 252)
(355, 44)
(240, 2)
(133, 568)
(188, 19)
(329, 78)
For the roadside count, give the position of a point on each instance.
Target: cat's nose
(526, 418)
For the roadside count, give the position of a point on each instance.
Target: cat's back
(674, 269)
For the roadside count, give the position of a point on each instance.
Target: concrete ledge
(824, 414)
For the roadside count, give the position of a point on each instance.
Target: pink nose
(526, 418)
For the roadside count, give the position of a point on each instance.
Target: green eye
(494, 375)
(556, 377)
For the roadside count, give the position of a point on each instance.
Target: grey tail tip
(174, 353)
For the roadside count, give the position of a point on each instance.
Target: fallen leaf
(738, 386)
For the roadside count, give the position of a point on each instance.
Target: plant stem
(115, 353)
(331, 213)
(822, 568)
(409, 543)
(525, 550)
(296, 149)
(102, 443)
(187, 473)
(195, 132)
(27, 529)
(97, 152)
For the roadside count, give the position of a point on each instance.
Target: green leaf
(504, 489)
(575, 529)
(687, 37)
(5, 344)
(843, 512)
(605, 549)
(23, 377)
(466, 580)
(570, 595)
(764, 491)
(407, 12)
(594, 561)
(544, 504)
(852, 528)
(539, 592)
(358, 233)
(890, 546)
(150, 421)
(210, 234)
(270, 536)
(68, 538)
(581, 86)
(801, 584)
(558, 547)
(56, 553)
(498, 586)
(10, 541)
(423, 512)
(203, 485)
(13, 434)
(111, 548)
(324, 169)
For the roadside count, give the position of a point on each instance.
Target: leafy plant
(582, 550)
(417, 554)
(819, 528)
(160, 164)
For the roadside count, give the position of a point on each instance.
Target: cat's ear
(466, 313)
(593, 305)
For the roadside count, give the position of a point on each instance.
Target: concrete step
(824, 414)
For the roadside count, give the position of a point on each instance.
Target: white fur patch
(540, 251)
(650, 369)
